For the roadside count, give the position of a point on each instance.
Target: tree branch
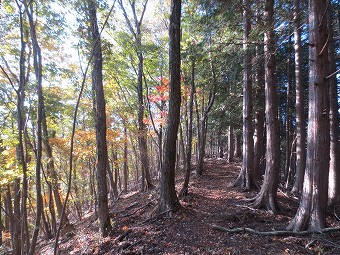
(127, 19)
(273, 233)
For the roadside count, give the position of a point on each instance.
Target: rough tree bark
(238, 146)
(259, 130)
(288, 125)
(334, 163)
(300, 114)
(102, 154)
(267, 195)
(168, 199)
(311, 213)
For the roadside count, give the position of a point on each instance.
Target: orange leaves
(162, 91)
(146, 121)
(159, 98)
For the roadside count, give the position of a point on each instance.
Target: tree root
(135, 211)
(274, 233)
(155, 217)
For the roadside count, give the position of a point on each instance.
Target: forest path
(210, 201)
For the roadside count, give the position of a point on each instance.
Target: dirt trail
(210, 201)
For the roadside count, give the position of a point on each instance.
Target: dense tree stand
(311, 213)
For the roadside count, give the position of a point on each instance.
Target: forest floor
(211, 200)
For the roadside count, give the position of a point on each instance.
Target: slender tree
(168, 198)
(100, 120)
(311, 213)
(202, 120)
(334, 163)
(51, 172)
(230, 144)
(300, 115)
(135, 29)
(288, 126)
(246, 177)
(187, 167)
(37, 61)
(126, 167)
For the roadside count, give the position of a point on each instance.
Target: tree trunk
(126, 168)
(1, 225)
(38, 73)
(300, 113)
(102, 154)
(246, 177)
(187, 166)
(288, 117)
(51, 173)
(51, 207)
(203, 122)
(238, 150)
(334, 164)
(230, 144)
(201, 145)
(182, 152)
(9, 210)
(15, 219)
(259, 129)
(311, 213)
(168, 199)
(267, 195)
(47, 228)
(21, 155)
(112, 179)
(142, 137)
(8, 207)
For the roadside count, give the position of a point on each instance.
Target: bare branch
(9, 78)
(274, 233)
(127, 19)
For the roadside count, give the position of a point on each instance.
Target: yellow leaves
(8, 175)
(111, 88)
(9, 9)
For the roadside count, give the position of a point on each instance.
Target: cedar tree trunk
(267, 195)
(311, 213)
(246, 177)
(300, 115)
